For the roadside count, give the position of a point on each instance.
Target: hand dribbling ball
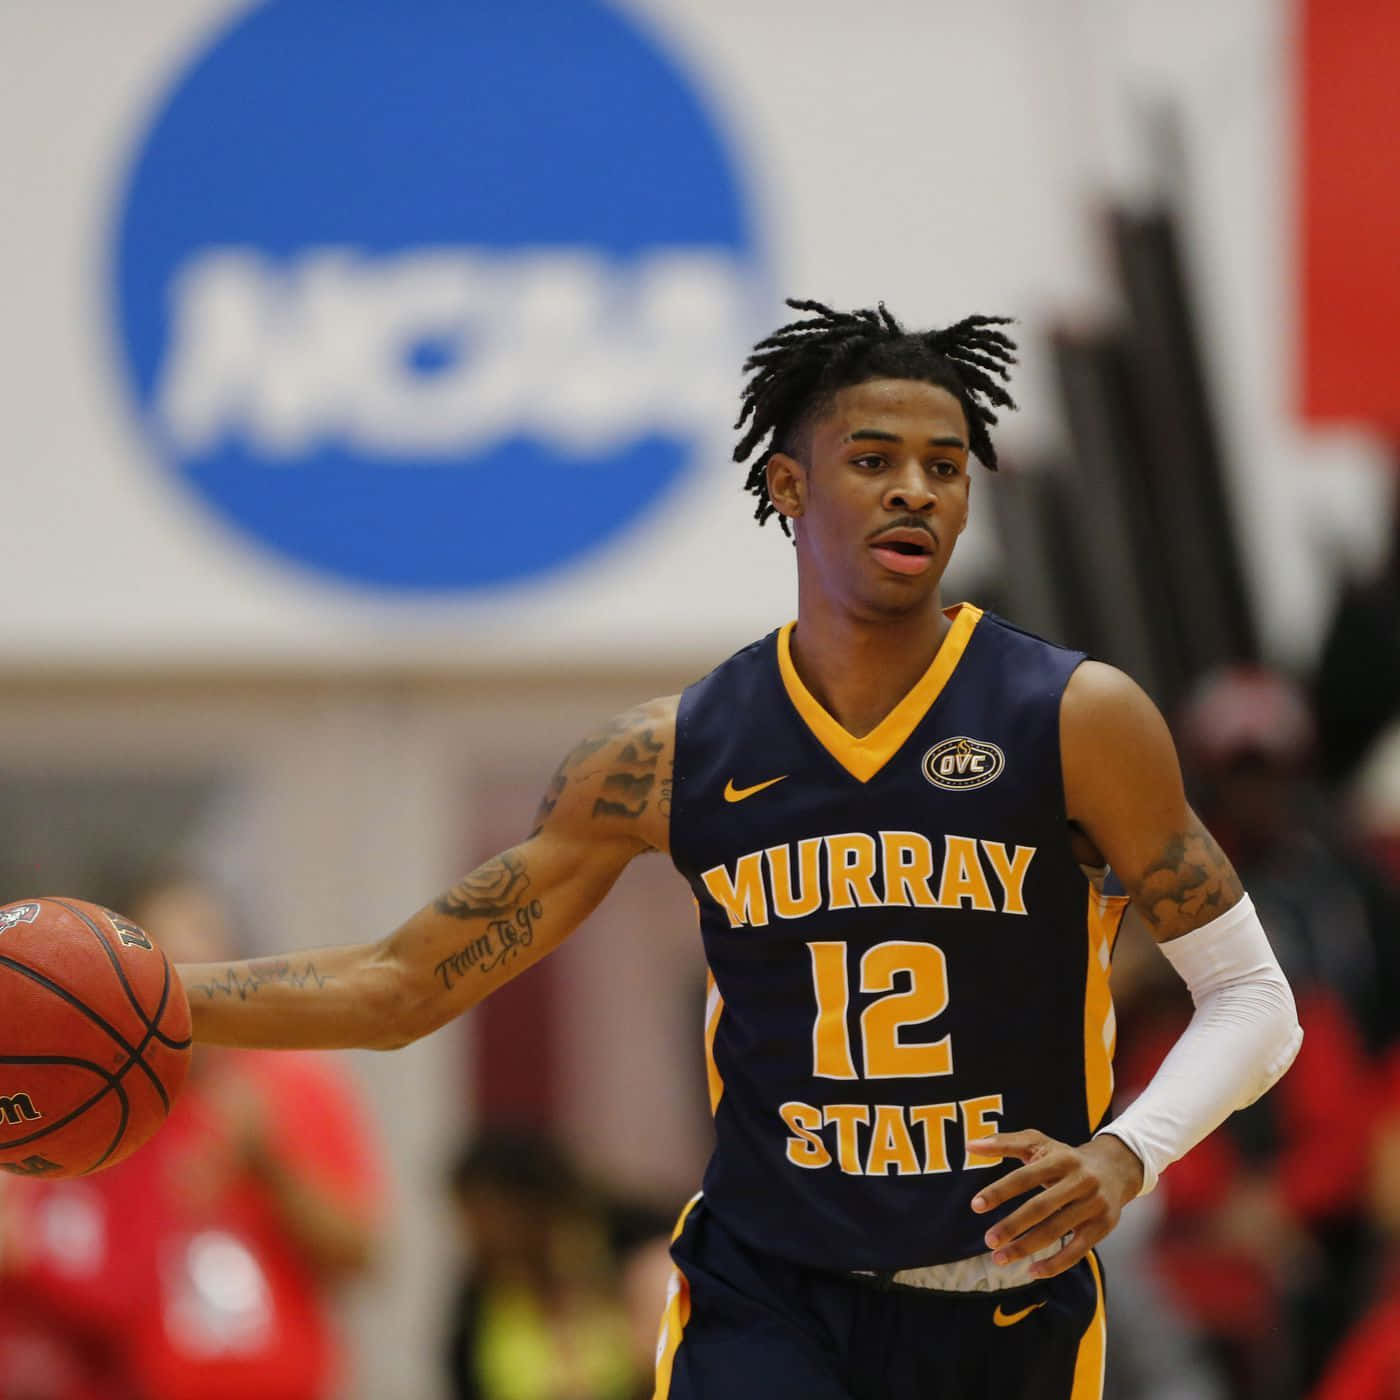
(94, 1037)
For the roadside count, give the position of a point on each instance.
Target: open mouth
(904, 551)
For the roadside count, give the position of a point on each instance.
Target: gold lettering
(850, 865)
(890, 1144)
(741, 898)
(804, 1148)
(934, 1119)
(1011, 871)
(908, 860)
(847, 1117)
(926, 967)
(787, 905)
(976, 1116)
(963, 877)
(831, 1041)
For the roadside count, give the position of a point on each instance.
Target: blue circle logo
(437, 295)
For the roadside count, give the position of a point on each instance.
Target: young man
(886, 812)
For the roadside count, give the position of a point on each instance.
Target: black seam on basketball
(167, 1040)
(113, 1082)
(139, 1054)
(151, 1023)
(121, 1130)
(111, 958)
(64, 995)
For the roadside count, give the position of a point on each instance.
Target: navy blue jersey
(904, 955)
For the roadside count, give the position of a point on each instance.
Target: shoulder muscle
(615, 783)
(1123, 788)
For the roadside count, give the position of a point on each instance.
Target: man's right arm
(608, 802)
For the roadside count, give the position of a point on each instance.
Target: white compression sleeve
(1243, 1036)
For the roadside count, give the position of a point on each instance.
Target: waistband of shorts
(977, 1274)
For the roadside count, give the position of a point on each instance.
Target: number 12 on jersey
(883, 1054)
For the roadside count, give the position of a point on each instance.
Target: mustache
(904, 522)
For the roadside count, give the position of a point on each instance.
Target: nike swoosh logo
(1011, 1319)
(733, 794)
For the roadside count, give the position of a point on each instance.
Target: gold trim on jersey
(1105, 919)
(863, 757)
(675, 1315)
(714, 1009)
(1089, 1364)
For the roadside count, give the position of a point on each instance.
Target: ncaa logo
(433, 296)
(962, 763)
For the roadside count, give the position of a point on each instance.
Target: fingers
(1033, 1148)
(1021, 1144)
(1083, 1219)
(1068, 1200)
(1076, 1247)
(1033, 1225)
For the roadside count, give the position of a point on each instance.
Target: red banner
(1350, 190)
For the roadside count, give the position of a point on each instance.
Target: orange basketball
(94, 1037)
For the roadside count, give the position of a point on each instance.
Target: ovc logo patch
(961, 763)
(433, 296)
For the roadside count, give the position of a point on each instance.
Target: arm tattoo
(551, 797)
(628, 785)
(489, 891)
(498, 893)
(1191, 883)
(496, 945)
(629, 774)
(628, 788)
(246, 980)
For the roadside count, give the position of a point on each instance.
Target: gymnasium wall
(367, 396)
(333, 340)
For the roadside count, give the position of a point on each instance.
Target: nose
(910, 490)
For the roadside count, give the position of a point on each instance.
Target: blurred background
(368, 377)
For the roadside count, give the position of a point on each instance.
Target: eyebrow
(877, 435)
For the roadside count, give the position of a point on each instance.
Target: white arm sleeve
(1243, 1036)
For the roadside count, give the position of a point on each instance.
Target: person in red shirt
(1367, 1364)
(1263, 1241)
(204, 1266)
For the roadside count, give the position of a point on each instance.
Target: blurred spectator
(1375, 804)
(1367, 1365)
(640, 1234)
(204, 1266)
(1264, 1239)
(1154, 1351)
(1247, 739)
(539, 1314)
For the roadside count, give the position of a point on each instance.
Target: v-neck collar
(863, 757)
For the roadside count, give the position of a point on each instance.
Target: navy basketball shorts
(742, 1325)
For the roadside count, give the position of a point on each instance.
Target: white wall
(945, 157)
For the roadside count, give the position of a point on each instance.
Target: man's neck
(858, 669)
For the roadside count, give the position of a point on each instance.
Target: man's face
(882, 495)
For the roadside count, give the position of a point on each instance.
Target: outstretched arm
(608, 802)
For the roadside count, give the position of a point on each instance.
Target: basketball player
(898, 822)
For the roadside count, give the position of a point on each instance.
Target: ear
(787, 484)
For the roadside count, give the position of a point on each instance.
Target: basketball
(94, 1038)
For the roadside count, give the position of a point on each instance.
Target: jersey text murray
(858, 870)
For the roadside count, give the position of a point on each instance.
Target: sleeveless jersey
(903, 953)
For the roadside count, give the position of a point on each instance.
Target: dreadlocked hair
(802, 365)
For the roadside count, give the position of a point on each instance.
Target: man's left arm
(1124, 793)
